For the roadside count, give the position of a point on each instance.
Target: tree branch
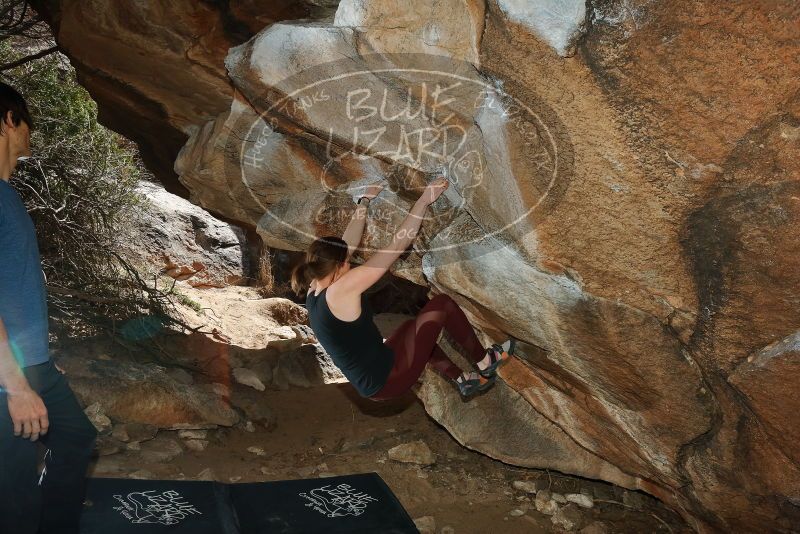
(82, 296)
(28, 59)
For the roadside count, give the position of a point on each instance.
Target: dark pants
(53, 502)
(414, 345)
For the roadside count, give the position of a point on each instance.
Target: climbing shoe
(470, 386)
(498, 354)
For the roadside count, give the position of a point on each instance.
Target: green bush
(79, 188)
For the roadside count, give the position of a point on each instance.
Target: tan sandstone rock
(624, 200)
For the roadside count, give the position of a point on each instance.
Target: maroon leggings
(414, 345)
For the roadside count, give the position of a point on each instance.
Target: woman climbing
(341, 317)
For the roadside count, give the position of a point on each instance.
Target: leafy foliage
(79, 188)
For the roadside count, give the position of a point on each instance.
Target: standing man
(36, 402)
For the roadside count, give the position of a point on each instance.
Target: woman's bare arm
(355, 228)
(359, 279)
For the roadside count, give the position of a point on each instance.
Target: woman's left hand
(373, 190)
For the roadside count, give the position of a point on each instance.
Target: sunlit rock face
(158, 66)
(174, 237)
(624, 199)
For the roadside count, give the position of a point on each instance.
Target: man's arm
(26, 408)
(11, 378)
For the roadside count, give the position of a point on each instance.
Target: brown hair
(11, 100)
(323, 257)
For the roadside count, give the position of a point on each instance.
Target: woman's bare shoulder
(345, 306)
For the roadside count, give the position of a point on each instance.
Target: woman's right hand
(433, 190)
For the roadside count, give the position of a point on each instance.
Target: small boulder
(569, 517)
(134, 432)
(426, 524)
(193, 434)
(560, 499)
(582, 500)
(247, 377)
(306, 471)
(545, 504)
(352, 445)
(416, 452)
(98, 418)
(258, 451)
(528, 486)
(160, 450)
(145, 393)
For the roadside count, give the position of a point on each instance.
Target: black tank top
(356, 347)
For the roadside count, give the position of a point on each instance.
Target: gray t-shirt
(23, 300)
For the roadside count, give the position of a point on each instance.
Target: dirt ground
(330, 429)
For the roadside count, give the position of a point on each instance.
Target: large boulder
(129, 392)
(624, 200)
(158, 66)
(184, 241)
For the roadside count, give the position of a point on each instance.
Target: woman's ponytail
(324, 256)
(299, 278)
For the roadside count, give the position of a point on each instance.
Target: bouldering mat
(360, 503)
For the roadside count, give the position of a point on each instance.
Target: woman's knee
(441, 301)
(450, 306)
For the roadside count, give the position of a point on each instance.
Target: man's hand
(25, 406)
(28, 414)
